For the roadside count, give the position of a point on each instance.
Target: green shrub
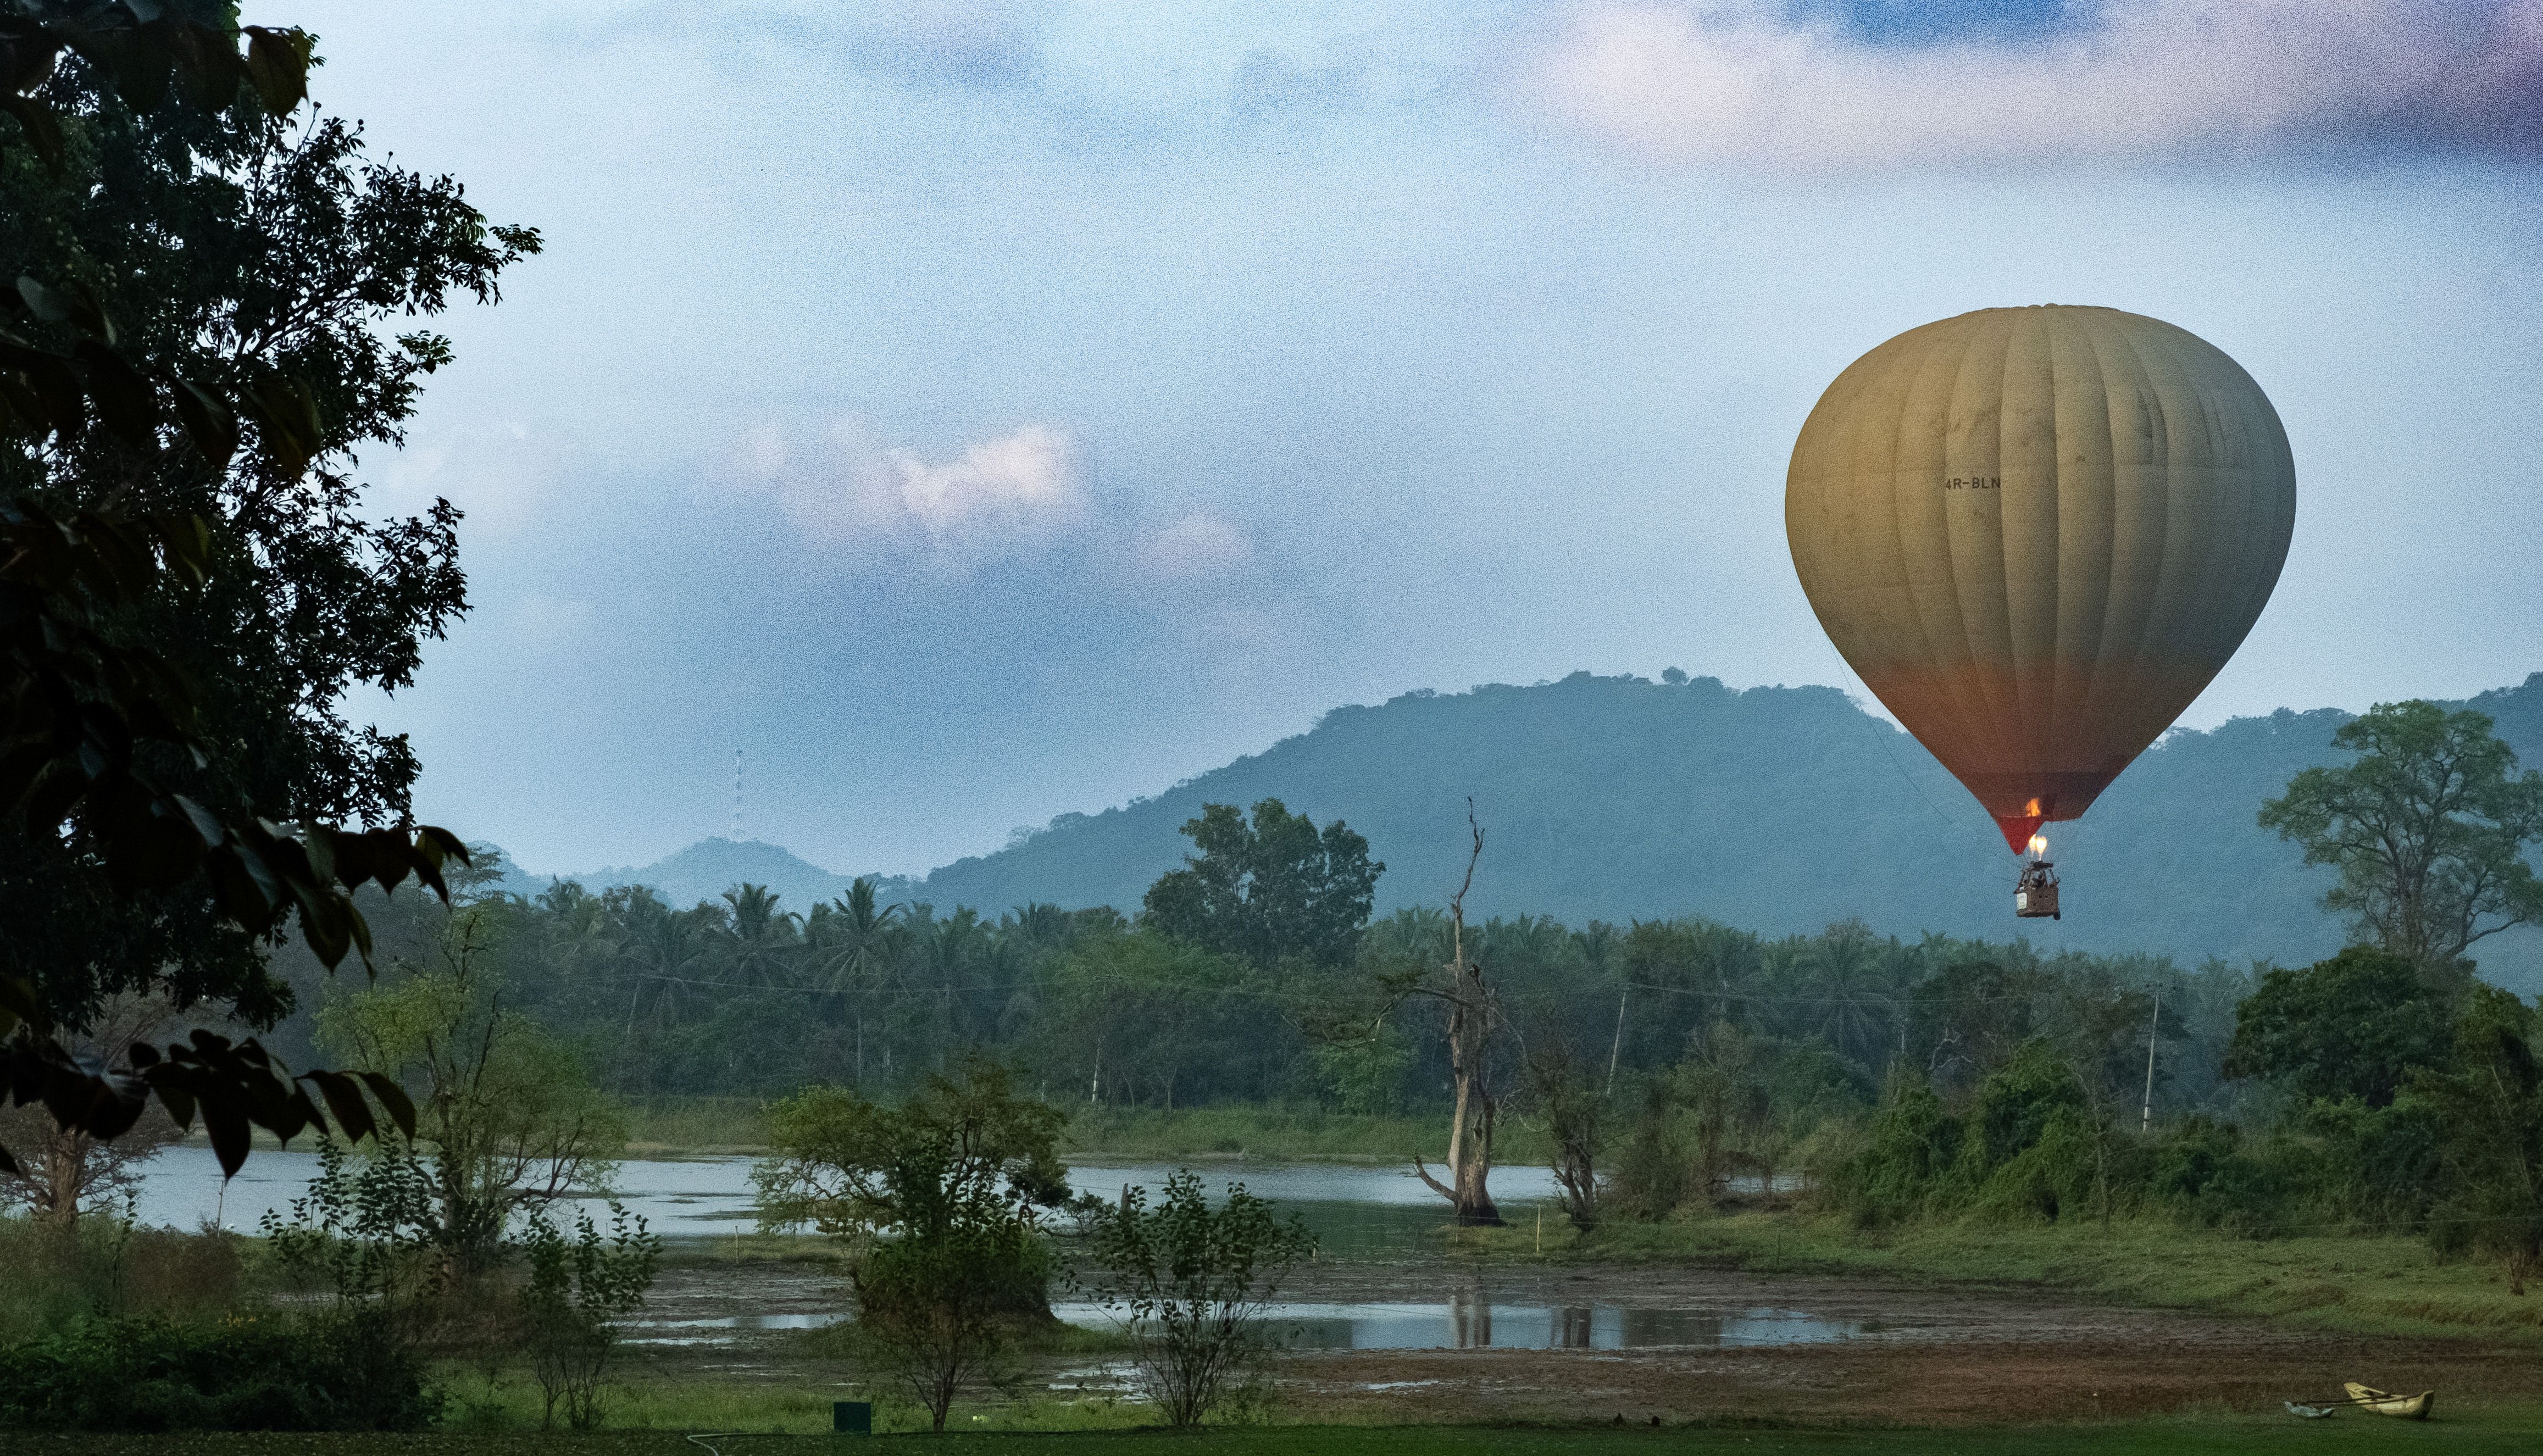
(580, 1291)
(2377, 1170)
(2019, 1100)
(1908, 1169)
(1655, 1170)
(1193, 1285)
(2192, 1158)
(2049, 1175)
(57, 1275)
(336, 1372)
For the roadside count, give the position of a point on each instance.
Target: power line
(1521, 997)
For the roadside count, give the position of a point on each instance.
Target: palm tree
(1041, 925)
(763, 940)
(1417, 935)
(854, 946)
(847, 936)
(947, 949)
(665, 949)
(1848, 993)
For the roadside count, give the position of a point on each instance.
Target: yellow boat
(2385, 1403)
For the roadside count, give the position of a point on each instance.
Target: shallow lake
(1483, 1324)
(1451, 1325)
(1365, 1217)
(1351, 1205)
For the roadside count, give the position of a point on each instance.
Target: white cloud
(1012, 495)
(1744, 83)
(1196, 547)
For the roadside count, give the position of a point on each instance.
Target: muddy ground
(2058, 1376)
(1908, 1354)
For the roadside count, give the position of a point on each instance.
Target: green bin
(852, 1418)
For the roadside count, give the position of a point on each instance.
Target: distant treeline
(745, 996)
(1672, 1065)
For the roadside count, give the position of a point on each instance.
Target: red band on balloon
(2017, 829)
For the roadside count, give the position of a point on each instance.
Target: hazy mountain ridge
(1776, 808)
(706, 869)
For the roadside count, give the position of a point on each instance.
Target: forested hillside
(1776, 809)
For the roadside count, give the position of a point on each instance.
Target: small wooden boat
(2385, 1403)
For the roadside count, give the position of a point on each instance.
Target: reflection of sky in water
(1462, 1324)
(1356, 1212)
(1455, 1325)
(1353, 1207)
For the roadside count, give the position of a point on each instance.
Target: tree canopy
(1267, 891)
(192, 358)
(2426, 825)
(246, 252)
(2355, 1025)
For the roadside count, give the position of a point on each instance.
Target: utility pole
(1616, 1049)
(2146, 1117)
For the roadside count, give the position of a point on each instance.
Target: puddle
(721, 1330)
(1480, 1325)
(1118, 1379)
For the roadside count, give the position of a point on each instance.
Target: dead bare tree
(1474, 1014)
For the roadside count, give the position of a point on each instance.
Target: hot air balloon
(2037, 533)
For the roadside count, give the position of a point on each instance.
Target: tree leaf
(211, 425)
(225, 1122)
(127, 405)
(393, 1100)
(343, 1099)
(278, 66)
(286, 417)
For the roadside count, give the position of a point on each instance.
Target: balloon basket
(2035, 895)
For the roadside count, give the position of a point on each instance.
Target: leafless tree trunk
(1474, 1014)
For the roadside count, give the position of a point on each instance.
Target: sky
(978, 410)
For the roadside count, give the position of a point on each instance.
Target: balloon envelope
(2037, 533)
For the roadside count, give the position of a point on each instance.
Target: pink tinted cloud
(1744, 84)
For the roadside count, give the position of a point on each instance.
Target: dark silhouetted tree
(2355, 1025)
(1267, 891)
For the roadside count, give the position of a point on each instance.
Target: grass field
(2474, 1434)
(2358, 1285)
(674, 1126)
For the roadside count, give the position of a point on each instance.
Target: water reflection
(1468, 1321)
(1354, 1209)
